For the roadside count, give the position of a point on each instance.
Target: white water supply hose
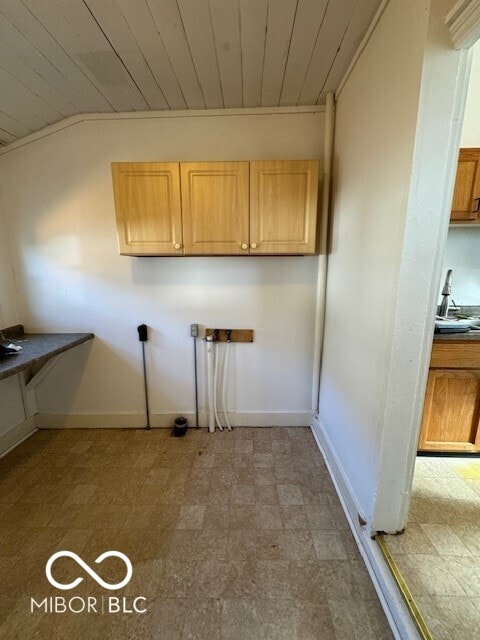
(215, 385)
(224, 385)
(210, 383)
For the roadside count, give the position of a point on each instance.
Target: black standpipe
(143, 337)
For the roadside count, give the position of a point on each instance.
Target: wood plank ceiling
(63, 57)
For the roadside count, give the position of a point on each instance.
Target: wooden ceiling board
(113, 24)
(280, 21)
(26, 75)
(59, 58)
(332, 32)
(142, 25)
(169, 24)
(225, 16)
(253, 34)
(85, 95)
(308, 22)
(23, 95)
(197, 23)
(358, 26)
(70, 24)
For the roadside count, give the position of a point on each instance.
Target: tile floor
(232, 536)
(439, 554)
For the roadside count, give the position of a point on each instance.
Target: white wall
(396, 133)
(11, 407)
(8, 299)
(59, 203)
(375, 133)
(471, 122)
(462, 254)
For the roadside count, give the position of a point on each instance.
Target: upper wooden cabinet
(283, 206)
(216, 208)
(466, 197)
(148, 208)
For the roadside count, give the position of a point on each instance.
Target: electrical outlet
(194, 330)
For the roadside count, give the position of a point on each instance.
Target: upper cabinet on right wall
(283, 206)
(466, 197)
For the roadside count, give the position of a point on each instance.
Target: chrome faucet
(446, 291)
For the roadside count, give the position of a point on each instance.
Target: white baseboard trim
(13, 437)
(388, 593)
(166, 420)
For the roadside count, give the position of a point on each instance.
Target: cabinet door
(283, 206)
(451, 411)
(215, 207)
(148, 208)
(466, 197)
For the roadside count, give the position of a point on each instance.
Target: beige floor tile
(294, 517)
(264, 476)
(157, 476)
(258, 579)
(198, 545)
(266, 494)
(186, 579)
(358, 619)
(289, 494)
(244, 446)
(191, 517)
(257, 619)
(216, 517)
(469, 534)
(445, 540)
(428, 575)
(81, 494)
(320, 516)
(329, 544)
(299, 546)
(224, 533)
(346, 579)
(241, 517)
(243, 494)
(202, 620)
(262, 460)
(267, 517)
(438, 553)
(247, 544)
(451, 618)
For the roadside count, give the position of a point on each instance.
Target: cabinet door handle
(178, 246)
(244, 246)
(253, 245)
(477, 208)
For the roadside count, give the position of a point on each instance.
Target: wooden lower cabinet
(451, 412)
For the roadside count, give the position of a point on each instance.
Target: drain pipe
(322, 258)
(210, 382)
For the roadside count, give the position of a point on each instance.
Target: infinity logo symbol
(91, 572)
